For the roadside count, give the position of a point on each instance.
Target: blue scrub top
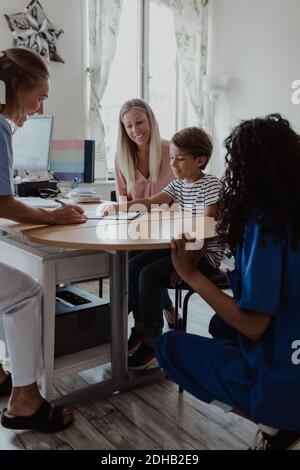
(6, 158)
(267, 279)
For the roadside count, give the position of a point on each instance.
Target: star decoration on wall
(33, 30)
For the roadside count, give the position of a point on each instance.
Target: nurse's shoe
(282, 440)
(47, 419)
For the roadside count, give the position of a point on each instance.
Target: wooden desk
(148, 232)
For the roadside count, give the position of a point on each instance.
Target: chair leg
(176, 307)
(184, 318)
(101, 288)
(185, 309)
(180, 298)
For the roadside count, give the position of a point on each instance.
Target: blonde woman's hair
(127, 150)
(20, 69)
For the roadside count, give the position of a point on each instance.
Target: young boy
(149, 272)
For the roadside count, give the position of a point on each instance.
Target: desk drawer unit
(82, 321)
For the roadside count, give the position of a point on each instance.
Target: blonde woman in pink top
(142, 169)
(142, 160)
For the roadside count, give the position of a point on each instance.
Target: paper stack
(84, 195)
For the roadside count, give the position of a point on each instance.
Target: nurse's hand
(186, 254)
(68, 214)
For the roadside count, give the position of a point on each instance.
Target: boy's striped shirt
(194, 198)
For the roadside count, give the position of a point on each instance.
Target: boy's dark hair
(261, 179)
(194, 141)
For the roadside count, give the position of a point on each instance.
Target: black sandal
(47, 418)
(6, 387)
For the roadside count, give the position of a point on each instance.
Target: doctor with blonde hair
(26, 78)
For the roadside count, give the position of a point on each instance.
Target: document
(120, 216)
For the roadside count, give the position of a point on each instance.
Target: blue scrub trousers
(206, 367)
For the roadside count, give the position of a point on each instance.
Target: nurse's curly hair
(262, 178)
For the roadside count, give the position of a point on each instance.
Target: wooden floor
(149, 417)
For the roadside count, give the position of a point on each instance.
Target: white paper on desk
(120, 216)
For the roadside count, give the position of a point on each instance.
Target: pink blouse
(142, 187)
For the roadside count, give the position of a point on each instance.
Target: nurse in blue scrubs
(251, 362)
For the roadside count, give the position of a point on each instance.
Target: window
(161, 89)
(164, 90)
(145, 66)
(123, 82)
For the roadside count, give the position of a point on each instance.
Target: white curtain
(191, 29)
(104, 18)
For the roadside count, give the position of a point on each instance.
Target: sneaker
(143, 358)
(283, 440)
(134, 341)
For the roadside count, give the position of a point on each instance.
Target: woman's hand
(108, 208)
(68, 214)
(185, 260)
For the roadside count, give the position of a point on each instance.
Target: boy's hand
(185, 261)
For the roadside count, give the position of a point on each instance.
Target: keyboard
(38, 202)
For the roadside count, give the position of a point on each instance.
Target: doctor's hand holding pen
(68, 214)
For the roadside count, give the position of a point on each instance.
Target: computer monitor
(32, 144)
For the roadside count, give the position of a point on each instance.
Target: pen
(60, 202)
(64, 204)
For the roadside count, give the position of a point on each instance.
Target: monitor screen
(32, 144)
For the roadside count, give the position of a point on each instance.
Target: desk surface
(149, 231)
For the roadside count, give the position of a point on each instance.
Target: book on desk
(72, 159)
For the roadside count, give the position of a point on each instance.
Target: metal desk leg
(49, 288)
(119, 314)
(121, 380)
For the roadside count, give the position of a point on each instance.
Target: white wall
(256, 44)
(253, 42)
(66, 98)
